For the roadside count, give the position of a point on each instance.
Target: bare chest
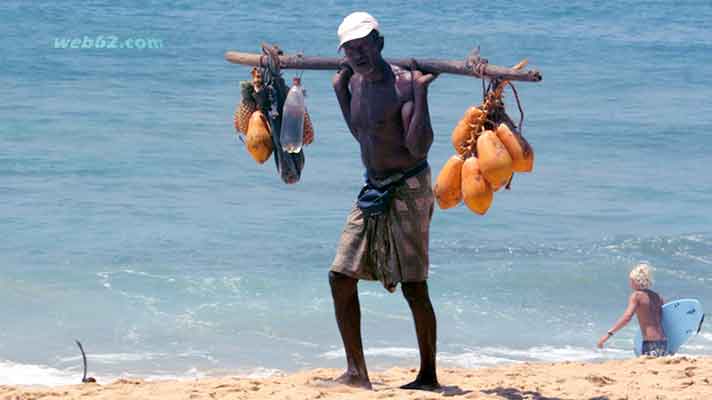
(375, 108)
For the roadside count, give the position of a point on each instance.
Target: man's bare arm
(627, 315)
(416, 116)
(623, 320)
(340, 82)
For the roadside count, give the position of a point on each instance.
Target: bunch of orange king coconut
(252, 125)
(488, 150)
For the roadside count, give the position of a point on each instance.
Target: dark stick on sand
(84, 360)
(473, 65)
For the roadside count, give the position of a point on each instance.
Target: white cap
(355, 26)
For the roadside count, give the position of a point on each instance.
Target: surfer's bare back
(647, 305)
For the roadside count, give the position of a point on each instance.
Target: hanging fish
(271, 99)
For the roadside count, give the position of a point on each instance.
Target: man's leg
(425, 329)
(348, 316)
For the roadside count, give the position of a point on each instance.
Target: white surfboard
(681, 319)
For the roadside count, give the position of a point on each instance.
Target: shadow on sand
(516, 394)
(447, 391)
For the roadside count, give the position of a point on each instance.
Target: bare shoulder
(636, 296)
(400, 73)
(404, 83)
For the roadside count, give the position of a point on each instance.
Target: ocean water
(133, 219)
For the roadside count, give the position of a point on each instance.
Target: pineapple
(246, 108)
(308, 129)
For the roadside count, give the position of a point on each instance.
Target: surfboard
(681, 319)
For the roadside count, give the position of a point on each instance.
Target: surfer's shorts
(654, 348)
(391, 247)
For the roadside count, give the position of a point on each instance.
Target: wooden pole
(473, 65)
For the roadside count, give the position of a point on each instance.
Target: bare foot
(430, 385)
(355, 380)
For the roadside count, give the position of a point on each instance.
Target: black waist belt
(398, 178)
(375, 199)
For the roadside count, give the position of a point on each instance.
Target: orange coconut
(528, 162)
(447, 187)
(476, 191)
(259, 139)
(461, 136)
(516, 146)
(494, 159)
(474, 115)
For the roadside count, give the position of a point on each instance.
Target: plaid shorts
(391, 247)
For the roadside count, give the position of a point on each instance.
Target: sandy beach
(673, 378)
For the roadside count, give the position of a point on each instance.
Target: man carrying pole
(386, 236)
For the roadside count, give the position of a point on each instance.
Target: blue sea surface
(132, 217)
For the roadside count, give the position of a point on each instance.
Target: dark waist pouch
(374, 200)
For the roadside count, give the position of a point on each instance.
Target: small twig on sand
(84, 360)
